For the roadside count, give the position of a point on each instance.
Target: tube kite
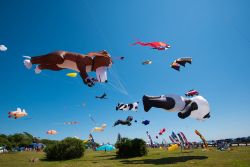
(181, 140)
(162, 131)
(97, 62)
(172, 140)
(175, 138)
(124, 122)
(153, 45)
(150, 139)
(196, 107)
(184, 138)
(17, 114)
(202, 138)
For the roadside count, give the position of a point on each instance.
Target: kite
(92, 141)
(126, 107)
(202, 138)
(17, 114)
(182, 141)
(180, 62)
(162, 131)
(92, 119)
(99, 129)
(172, 140)
(153, 45)
(51, 132)
(3, 48)
(173, 147)
(71, 123)
(145, 122)
(106, 147)
(150, 139)
(124, 122)
(192, 93)
(72, 75)
(102, 96)
(147, 62)
(175, 138)
(156, 137)
(196, 107)
(184, 138)
(119, 58)
(97, 62)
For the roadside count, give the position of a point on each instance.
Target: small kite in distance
(3, 48)
(147, 62)
(103, 96)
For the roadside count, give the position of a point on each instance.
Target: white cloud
(3, 48)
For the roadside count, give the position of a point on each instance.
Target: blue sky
(214, 33)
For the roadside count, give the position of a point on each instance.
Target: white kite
(3, 48)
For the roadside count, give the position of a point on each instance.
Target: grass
(239, 156)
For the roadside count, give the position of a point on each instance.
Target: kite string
(121, 88)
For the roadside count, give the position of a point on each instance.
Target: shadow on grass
(167, 160)
(105, 156)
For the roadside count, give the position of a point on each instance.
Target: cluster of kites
(191, 105)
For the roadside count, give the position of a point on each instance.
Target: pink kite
(162, 131)
(154, 45)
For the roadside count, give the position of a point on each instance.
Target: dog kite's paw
(38, 70)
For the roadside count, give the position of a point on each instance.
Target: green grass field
(239, 156)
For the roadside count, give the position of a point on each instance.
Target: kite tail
(140, 43)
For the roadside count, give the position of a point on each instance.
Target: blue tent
(106, 147)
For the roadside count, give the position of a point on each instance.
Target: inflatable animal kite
(196, 107)
(17, 114)
(153, 45)
(124, 122)
(173, 147)
(192, 93)
(99, 129)
(180, 62)
(51, 132)
(95, 61)
(126, 107)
